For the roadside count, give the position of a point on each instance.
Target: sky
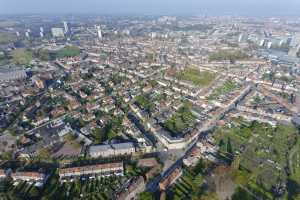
(156, 7)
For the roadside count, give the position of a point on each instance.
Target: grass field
(199, 78)
(68, 51)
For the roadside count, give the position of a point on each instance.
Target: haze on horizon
(156, 7)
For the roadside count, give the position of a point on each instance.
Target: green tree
(146, 196)
(242, 194)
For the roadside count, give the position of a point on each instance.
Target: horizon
(155, 7)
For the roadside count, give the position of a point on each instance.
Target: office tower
(153, 35)
(242, 38)
(99, 32)
(66, 28)
(269, 44)
(27, 33)
(41, 32)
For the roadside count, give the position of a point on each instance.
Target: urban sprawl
(107, 107)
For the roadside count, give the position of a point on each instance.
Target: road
(152, 186)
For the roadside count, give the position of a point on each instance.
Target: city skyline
(154, 7)
(150, 100)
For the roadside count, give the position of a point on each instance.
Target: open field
(196, 77)
(68, 51)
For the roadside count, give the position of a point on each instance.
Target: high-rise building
(41, 32)
(66, 28)
(242, 38)
(153, 35)
(99, 32)
(27, 33)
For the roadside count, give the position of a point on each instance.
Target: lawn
(180, 121)
(224, 89)
(68, 51)
(198, 78)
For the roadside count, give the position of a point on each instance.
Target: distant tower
(99, 32)
(27, 33)
(153, 35)
(66, 27)
(41, 32)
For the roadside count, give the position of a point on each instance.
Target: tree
(256, 101)
(242, 194)
(146, 196)
(229, 149)
(99, 135)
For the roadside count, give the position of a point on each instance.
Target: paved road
(153, 185)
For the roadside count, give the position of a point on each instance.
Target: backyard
(180, 121)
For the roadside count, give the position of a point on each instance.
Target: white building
(99, 32)
(66, 27)
(57, 32)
